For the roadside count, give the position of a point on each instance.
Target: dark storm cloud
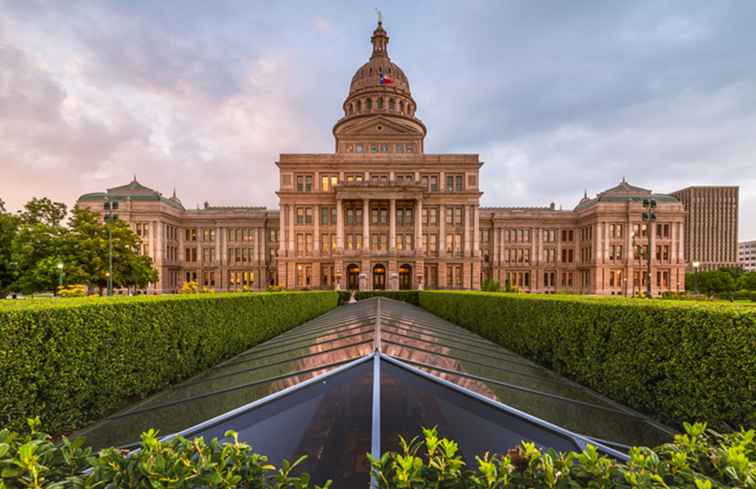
(557, 97)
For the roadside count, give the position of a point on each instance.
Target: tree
(8, 230)
(711, 282)
(38, 243)
(87, 249)
(43, 211)
(747, 281)
(2, 206)
(32, 244)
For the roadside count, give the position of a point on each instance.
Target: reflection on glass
(410, 402)
(329, 421)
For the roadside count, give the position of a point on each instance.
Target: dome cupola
(380, 89)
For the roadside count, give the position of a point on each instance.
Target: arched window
(359, 106)
(401, 106)
(379, 104)
(392, 104)
(369, 104)
(351, 109)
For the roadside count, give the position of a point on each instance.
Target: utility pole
(649, 216)
(110, 216)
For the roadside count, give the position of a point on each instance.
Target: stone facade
(712, 223)
(380, 213)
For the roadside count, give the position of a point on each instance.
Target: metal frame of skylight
(519, 388)
(268, 365)
(580, 440)
(465, 340)
(249, 358)
(229, 389)
(269, 398)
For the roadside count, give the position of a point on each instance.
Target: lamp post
(696, 264)
(649, 216)
(60, 275)
(110, 207)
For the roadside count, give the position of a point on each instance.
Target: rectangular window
(308, 215)
(433, 183)
(325, 214)
(300, 215)
(308, 183)
(458, 183)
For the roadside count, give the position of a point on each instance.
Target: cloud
(555, 98)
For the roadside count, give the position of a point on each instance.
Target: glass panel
(329, 421)
(410, 402)
(579, 418)
(414, 335)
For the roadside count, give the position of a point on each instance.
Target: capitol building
(381, 213)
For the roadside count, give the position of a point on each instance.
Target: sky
(557, 97)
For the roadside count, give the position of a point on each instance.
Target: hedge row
(71, 361)
(697, 459)
(673, 360)
(411, 296)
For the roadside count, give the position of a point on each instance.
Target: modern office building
(711, 218)
(747, 256)
(381, 213)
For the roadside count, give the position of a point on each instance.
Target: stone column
(442, 232)
(282, 231)
(292, 236)
(157, 239)
(392, 225)
(316, 232)
(366, 224)
(466, 220)
(339, 227)
(476, 230)
(419, 226)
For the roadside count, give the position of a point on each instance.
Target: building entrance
(405, 277)
(353, 277)
(379, 277)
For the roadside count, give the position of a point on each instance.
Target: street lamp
(110, 216)
(649, 216)
(696, 264)
(60, 275)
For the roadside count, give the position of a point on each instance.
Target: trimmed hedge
(411, 296)
(673, 360)
(70, 361)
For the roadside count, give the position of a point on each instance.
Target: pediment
(379, 126)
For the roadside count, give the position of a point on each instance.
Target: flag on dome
(386, 80)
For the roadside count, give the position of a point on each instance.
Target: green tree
(711, 282)
(2, 206)
(43, 211)
(33, 243)
(747, 281)
(8, 230)
(86, 249)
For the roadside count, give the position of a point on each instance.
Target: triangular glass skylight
(312, 391)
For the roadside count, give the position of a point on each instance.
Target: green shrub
(675, 360)
(490, 285)
(34, 461)
(411, 296)
(78, 290)
(697, 459)
(344, 296)
(75, 360)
